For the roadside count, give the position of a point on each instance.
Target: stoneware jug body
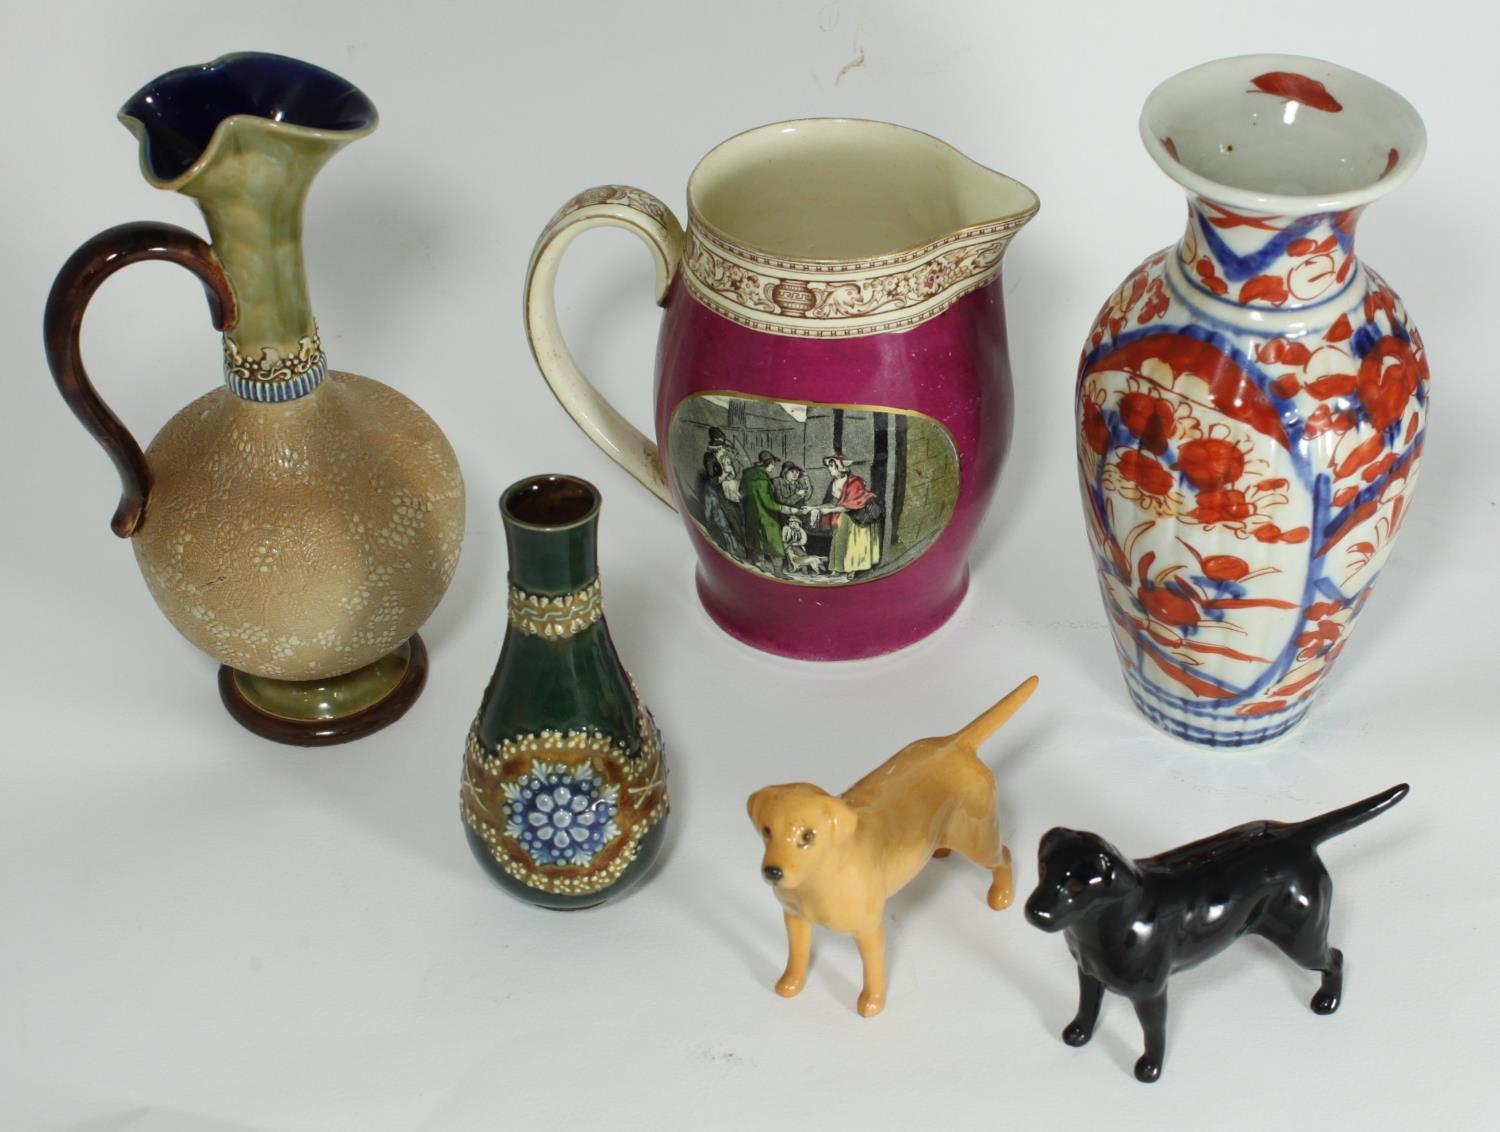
(1252, 403)
(564, 795)
(298, 523)
(833, 393)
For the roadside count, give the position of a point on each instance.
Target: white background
(203, 930)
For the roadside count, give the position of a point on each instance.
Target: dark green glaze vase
(564, 792)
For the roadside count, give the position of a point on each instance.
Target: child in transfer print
(856, 540)
(794, 538)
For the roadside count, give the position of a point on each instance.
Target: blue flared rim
(180, 110)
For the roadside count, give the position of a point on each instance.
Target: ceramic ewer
(564, 792)
(298, 524)
(1252, 403)
(833, 392)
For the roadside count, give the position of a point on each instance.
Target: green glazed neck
(558, 669)
(251, 184)
(251, 187)
(274, 123)
(551, 534)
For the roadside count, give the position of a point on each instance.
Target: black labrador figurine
(1130, 924)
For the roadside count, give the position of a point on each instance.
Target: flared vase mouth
(1282, 134)
(550, 503)
(847, 190)
(180, 116)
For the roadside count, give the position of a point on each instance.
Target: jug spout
(986, 198)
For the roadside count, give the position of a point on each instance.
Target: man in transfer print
(762, 513)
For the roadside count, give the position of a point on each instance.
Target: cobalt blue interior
(181, 109)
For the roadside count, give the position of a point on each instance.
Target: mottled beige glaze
(835, 861)
(302, 540)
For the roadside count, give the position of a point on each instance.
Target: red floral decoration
(1144, 471)
(1095, 428)
(1388, 377)
(1222, 507)
(1149, 419)
(1210, 463)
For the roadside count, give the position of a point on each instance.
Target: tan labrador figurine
(835, 861)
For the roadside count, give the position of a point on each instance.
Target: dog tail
(990, 722)
(1324, 826)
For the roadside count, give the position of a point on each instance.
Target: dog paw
(1147, 1069)
(938, 854)
(788, 987)
(1076, 1034)
(870, 1004)
(1325, 1002)
(1000, 896)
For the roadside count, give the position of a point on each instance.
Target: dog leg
(872, 954)
(1152, 1013)
(980, 842)
(1304, 940)
(799, 951)
(1090, 995)
(1326, 1001)
(1002, 883)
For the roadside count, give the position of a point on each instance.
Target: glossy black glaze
(1131, 924)
(181, 109)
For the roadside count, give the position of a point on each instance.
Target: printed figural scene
(813, 494)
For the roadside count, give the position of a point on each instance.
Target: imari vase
(564, 794)
(298, 524)
(1252, 403)
(833, 388)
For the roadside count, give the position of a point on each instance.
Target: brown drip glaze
(80, 277)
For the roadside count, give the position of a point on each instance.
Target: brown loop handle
(74, 286)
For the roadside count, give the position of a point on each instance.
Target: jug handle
(643, 214)
(87, 268)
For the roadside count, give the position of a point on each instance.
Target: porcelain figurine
(564, 795)
(833, 395)
(1132, 924)
(1252, 403)
(298, 524)
(835, 861)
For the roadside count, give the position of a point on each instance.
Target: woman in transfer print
(852, 512)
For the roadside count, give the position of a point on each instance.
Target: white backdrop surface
(203, 930)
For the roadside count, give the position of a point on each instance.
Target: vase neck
(244, 135)
(554, 583)
(1267, 261)
(252, 194)
(553, 563)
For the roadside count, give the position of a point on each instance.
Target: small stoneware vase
(297, 524)
(564, 794)
(833, 390)
(1252, 403)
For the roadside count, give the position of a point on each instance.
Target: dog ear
(1107, 868)
(1053, 838)
(842, 819)
(753, 805)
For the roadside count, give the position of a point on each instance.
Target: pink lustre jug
(833, 395)
(1252, 403)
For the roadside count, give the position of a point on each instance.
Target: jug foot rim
(326, 731)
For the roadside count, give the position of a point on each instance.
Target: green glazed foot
(318, 713)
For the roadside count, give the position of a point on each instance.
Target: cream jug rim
(1013, 203)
